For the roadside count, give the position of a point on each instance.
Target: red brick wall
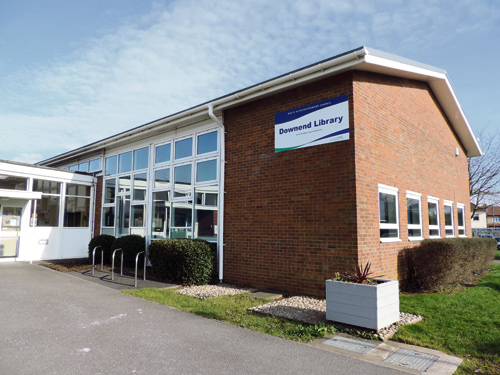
(404, 140)
(289, 217)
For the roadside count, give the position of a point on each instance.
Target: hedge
(131, 245)
(105, 241)
(189, 262)
(437, 263)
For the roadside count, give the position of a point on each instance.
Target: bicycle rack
(113, 265)
(136, 264)
(93, 259)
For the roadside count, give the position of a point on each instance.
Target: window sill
(453, 236)
(415, 238)
(434, 237)
(386, 240)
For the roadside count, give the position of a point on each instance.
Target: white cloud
(191, 51)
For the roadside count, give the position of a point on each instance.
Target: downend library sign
(312, 125)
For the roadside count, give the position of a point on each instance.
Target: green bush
(131, 245)
(189, 262)
(437, 263)
(105, 241)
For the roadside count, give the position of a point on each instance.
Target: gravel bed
(313, 310)
(208, 291)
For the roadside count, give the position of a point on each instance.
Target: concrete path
(55, 323)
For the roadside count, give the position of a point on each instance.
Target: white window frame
(459, 228)
(452, 226)
(418, 197)
(390, 191)
(434, 227)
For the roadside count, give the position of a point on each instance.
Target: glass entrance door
(10, 225)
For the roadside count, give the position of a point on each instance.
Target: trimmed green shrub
(437, 263)
(105, 241)
(131, 245)
(189, 262)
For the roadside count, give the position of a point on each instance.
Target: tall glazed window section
(185, 188)
(124, 205)
(45, 211)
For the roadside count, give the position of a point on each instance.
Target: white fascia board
(18, 194)
(441, 87)
(44, 173)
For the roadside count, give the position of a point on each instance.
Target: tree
(484, 172)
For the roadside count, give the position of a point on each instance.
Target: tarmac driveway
(54, 323)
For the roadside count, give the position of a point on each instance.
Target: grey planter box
(363, 305)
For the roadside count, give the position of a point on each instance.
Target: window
(388, 213)
(162, 179)
(13, 182)
(182, 181)
(160, 226)
(83, 167)
(207, 143)
(205, 213)
(77, 206)
(125, 162)
(110, 165)
(162, 153)
(206, 171)
(94, 165)
(182, 213)
(448, 219)
(184, 148)
(433, 212)
(140, 186)
(141, 157)
(109, 191)
(476, 218)
(414, 208)
(45, 211)
(461, 219)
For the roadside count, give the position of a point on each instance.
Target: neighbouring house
(350, 159)
(478, 220)
(493, 217)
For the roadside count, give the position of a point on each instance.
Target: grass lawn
(497, 255)
(465, 324)
(234, 310)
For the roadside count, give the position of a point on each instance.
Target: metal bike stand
(93, 259)
(113, 265)
(136, 264)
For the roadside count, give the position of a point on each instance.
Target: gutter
(220, 213)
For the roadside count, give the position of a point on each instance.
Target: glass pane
(414, 233)
(206, 171)
(13, 182)
(181, 220)
(461, 232)
(73, 168)
(184, 148)
(387, 208)
(109, 190)
(433, 232)
(413, 211)
(75, 189)
(182, 181)
(110, 231)
(161, 215)
(162, 153)
(48, 187)
(207, 143)
(140, 184)
(205, 225)
(123, 184)
(460, 214)
(433, 214)
(76, 212)
(94, 165)
(388, 233)
(83, 167)
(162, 178)
(449, 232)
(138, 215)
(47, 211)
(108, 217)
(110, 165)
(447, 216)
(125, 162)
(122, 215)
(141, 157)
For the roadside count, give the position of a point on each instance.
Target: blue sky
(74, 72)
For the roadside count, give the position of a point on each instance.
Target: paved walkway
(55, 323)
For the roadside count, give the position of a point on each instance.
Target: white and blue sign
(312, 125)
